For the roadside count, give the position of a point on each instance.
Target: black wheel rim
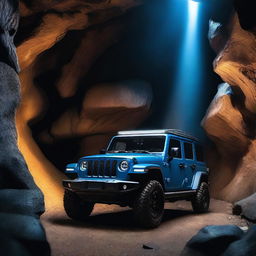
(205, 199)
(156, 203)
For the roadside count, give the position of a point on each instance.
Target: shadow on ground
(121, 220)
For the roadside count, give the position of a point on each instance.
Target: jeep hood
(140, 157)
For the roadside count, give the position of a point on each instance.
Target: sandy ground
(111, 230)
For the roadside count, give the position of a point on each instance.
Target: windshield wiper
(118, 151)
(141, 151)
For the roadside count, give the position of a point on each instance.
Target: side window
(199, 153)
(175, 144)
(188, 148)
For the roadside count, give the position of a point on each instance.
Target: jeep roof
(166, 131)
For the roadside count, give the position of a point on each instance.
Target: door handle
(193, 167)
(182, 166)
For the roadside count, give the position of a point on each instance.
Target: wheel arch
(156, 174)
(150, 173)
(199, 178)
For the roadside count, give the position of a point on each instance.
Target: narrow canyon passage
(90, 68)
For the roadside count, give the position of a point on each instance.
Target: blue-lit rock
(212, 240)
(245, 246)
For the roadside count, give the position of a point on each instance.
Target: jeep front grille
(102, 168)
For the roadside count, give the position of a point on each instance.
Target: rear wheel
(76, 208)
(148, 207)
(201, 200)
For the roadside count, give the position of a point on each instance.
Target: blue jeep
(140, 169)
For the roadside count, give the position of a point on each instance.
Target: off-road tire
(148, 207)
(76, 208)
(201, 200)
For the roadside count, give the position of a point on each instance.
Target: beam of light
(184, 106)
(193, 8)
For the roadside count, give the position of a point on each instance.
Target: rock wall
(230, 120)
(57, 44)
(21, 201)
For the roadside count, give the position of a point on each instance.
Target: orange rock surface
(46, 24)
(230, 120)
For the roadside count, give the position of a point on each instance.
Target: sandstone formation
(107, 108)
(230, 120)
(57, 44)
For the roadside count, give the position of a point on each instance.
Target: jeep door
(175, 165)
(190, 164)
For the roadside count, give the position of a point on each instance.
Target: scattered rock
(245, 228)
(246, 208)
(150, 246)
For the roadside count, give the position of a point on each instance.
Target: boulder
(226, 240)
(212, 240)
(246, 208)
(243, 247)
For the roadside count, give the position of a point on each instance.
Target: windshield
(140, 144)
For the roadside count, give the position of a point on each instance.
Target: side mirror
(175, 152)
(103, 151)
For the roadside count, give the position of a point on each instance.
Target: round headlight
(124, 165)
(83, 165)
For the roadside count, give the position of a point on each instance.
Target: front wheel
(148, 207)
(75, 207)
(201, 200)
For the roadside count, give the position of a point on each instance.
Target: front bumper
(109, 191)
(82, 185)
